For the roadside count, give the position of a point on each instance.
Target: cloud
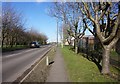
(41, 0)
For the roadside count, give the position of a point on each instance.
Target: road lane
(14, 66)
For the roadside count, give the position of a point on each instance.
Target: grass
(18, 47)
(115, 56)
(82, 70)
(40, 73)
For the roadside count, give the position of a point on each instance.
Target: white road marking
(36, 64)
(7, 56)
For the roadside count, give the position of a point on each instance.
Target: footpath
(58, 71)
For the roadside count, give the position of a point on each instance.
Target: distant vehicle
(35, 44)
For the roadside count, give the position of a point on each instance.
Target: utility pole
(62, 37)
(57, 32)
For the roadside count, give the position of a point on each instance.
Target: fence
(87, 46)
(86, 43)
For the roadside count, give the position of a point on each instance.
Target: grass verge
(41, 71)
(18, 47)
(39, 74)
(115, 56)
(81, 70)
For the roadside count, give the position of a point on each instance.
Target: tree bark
(76, 46)
(105, 61)
(76, 49)
(2, 43)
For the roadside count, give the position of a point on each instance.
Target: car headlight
(33, 44)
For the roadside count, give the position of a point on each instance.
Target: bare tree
(13, 30)
(70, 14)
(106, 23)
(12, 25)
(0, 26)
(34, 35)
(63, 29)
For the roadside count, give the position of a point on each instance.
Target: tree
(0, 30)
(12, 25)
(13, 30)
(63, 29)
(70, 14)
(106, 24)
(34, 35)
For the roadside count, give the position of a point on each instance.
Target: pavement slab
(58, 71)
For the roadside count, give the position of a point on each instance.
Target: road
(16, 62)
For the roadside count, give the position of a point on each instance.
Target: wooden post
(47, 61)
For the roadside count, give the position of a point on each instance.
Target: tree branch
(70, 33)
(115, 29)
(92, 6)
(81, 34)
(98, 27)
(88, 12)
(83, 12)
(114, 41)
(114, 16)
(88, 27)
(104, 10)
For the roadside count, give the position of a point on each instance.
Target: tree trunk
(76, 46)
(2, 42)
(76, 49)
(105, 61)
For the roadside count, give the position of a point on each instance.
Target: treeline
(13, 29)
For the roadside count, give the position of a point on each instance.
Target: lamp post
(62, 38)
(57, 32)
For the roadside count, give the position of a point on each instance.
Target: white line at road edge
(7, 56)
(43, 56)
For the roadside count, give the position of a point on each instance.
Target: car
(35, 44)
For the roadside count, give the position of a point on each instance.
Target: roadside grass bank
(115, 61)
(18, 47)
(80, 69)
(39, 70)
(115, 56)
(40, 73)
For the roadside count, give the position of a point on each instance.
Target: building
(71, 40)
(87, 41)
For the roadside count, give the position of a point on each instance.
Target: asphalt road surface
(16, 62)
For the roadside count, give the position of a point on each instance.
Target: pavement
(58, 70)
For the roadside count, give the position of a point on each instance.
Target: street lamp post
(57, 32)
(62, 38)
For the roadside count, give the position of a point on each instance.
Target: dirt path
(57, 72)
